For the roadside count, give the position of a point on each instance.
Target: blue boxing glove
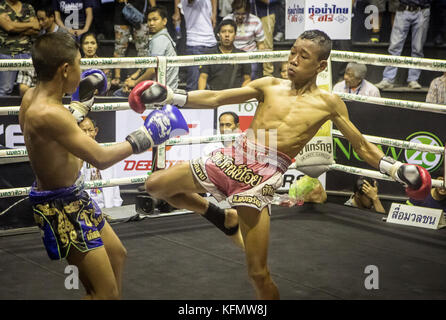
(92, 80)
(160, 125)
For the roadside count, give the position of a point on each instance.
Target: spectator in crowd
(250, 36)
(381, 6)
(228, 122)
(355, 82)
(266, 11)
(365, 195)
(437, 90)
(411, 15)
(161, 44)
(284, 70)
(18, 26)
(89, 49)
(45, 15)
(436, 199)
(107, 197)
(201, 18)
(76, 16)
(47, 20)
(124, 30)
(225, 76)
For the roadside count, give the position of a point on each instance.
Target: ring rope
(245, 57)
(397, 143)
(396, 103)
(21, 152)
(372, 173)
(17, 192)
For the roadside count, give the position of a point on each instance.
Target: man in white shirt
(355, 83)
(201, 18)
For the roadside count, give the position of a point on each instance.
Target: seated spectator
(89, 48)
(436, 198)
(284, 70)
(161, 44)
(124, 31)
(365, 195)
(224, 76)
(45, 15)
(18, 27)
(75, 16)
(249, 36)
(229, 122)
(437, 90)
(307, 189)
(107, 197)
(355, 83)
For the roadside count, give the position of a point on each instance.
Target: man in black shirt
(224, 76)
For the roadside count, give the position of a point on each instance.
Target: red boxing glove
(146, 92)
(152, 92)
(426, 184)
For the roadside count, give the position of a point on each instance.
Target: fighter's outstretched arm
(214, 99)
(416, 179)
(151, 92)
(366, 150)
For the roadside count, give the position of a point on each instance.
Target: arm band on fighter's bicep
(217, 216)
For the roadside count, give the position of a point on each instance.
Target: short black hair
(321, 39)
(49, 11)
(50, 51)
(357, 187)
(160, 9)
(226, 22)
(233, 114)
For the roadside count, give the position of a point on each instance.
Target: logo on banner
(295, 13)
(328, 13)
(429, 161)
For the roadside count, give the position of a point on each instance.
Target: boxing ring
(316, 251)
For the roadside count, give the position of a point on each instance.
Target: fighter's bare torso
(295, 117)
(53, 165)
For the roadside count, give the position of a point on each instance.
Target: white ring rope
(245, 57)
(185, 140)
(17, 192)
(396, 103)
(372, 173)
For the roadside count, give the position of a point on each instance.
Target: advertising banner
(331, 16)
(388, 122)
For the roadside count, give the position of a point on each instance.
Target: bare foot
(231, 220)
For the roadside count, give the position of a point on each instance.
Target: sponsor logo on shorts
(198, 171)
(247, 199)
(93, 235)
(240, 173)
(267, 190)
